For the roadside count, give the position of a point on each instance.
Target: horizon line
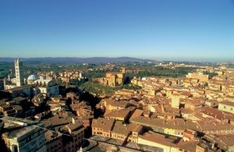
(159, 59)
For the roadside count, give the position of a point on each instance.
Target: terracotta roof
(121, 104)
(188, 145)
(180, 124)
(50, 135)
(56, 121)
(75, 126)
(137, 113)
(227, 140)
(186, 93)
(217, 114)
(125, 129)
(213, 125)
(158, 138)
(120, 128)
(122, 113)
(103, 123)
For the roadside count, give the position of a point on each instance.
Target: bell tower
(18, 72)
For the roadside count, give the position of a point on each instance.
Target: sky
(191, 30)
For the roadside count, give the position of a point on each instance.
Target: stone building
(112, 78)
(24, 135)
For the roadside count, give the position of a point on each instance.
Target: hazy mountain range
(78, 60)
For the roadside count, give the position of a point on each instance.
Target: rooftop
(179, 124)
(104, 123)
(20, 132)
(159, 138)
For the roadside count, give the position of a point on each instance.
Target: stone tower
(18, 72)
(123, 70)
(175, 101)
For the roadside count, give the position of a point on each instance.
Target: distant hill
(79, 60)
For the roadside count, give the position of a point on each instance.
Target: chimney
(73, 121)
(162, 108)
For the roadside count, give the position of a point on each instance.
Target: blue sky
(197, 30)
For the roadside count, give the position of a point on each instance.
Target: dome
(32, 77)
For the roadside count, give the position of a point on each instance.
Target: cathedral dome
(32, 77)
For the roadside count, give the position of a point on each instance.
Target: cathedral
(10, 83)
(31, 86)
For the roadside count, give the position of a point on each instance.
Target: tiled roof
(103, 123)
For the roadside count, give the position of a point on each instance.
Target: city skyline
(163, 30)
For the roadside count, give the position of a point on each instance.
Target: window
(14, 148)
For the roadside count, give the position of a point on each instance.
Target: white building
(47, 85)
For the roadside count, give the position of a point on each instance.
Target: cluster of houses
(193, 113)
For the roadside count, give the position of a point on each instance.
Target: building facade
(25, 139)
(47, 86)
(226, 106)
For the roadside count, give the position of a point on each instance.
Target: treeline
(94, 74)
(96, 88)
(166, 72)
(211, 74)
(99, 89)
(5, 69)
